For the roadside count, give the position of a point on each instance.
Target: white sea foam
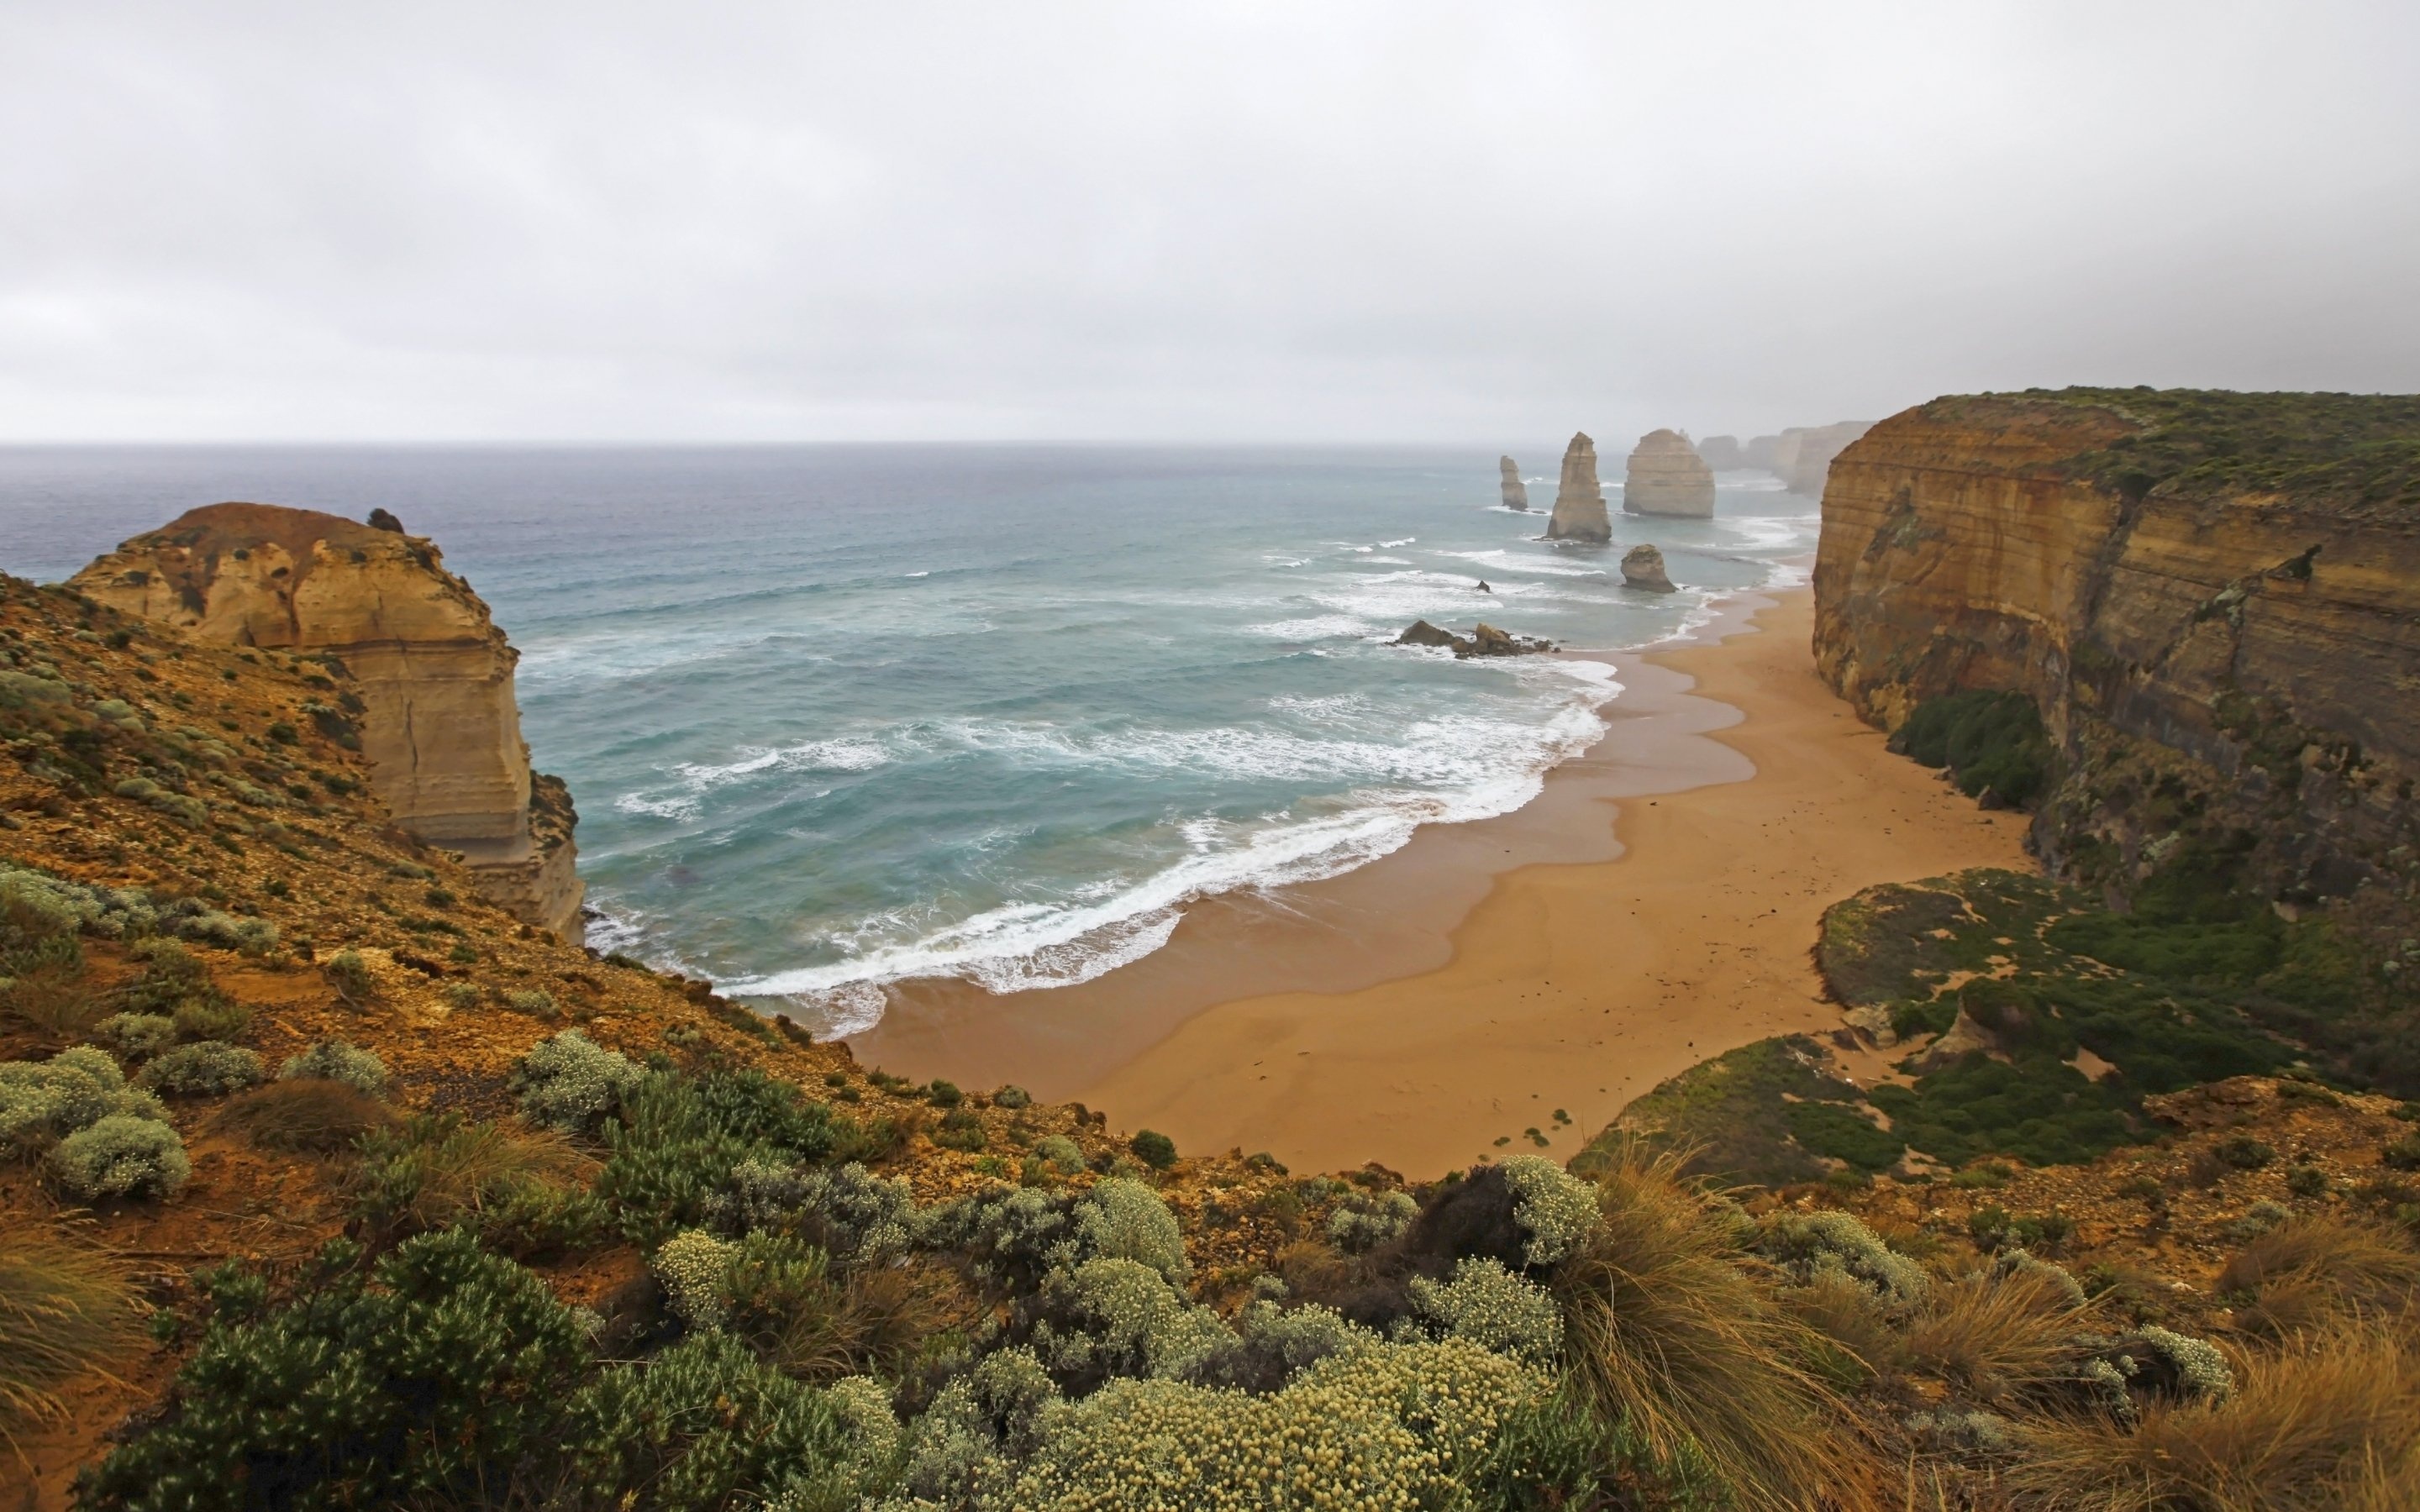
(1317, 627)
(1471, 769)
(695, 780)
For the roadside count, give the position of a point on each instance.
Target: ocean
(840, 715)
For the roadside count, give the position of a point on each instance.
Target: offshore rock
(1579, 501)
(1516, 493)
(1803, 455)
(1484, 641)
(2212, 598)
(1642, 567)
(1666, 476)
(431, 676)
(1723, 454)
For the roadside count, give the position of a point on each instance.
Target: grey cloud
(1187, 220)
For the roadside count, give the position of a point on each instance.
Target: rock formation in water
(1516, 493)
(1759, 451)
(1484, 641)
(429, 670)
(1722, 453)
(1666, 476)
(1642, 567)
(1803, 453)
(2212, 598)
(1579, 503)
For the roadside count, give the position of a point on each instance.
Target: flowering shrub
(860, 1218)
(2018, 1262)
(120, 1156)
(335, 1061)
(1389, 1429)
(1364, 1223)
(1493, 1309)
(1119, 1219)
(1121, 1318)
(209, 1068)
(694, 1268)
(75, 1090)
(572, 1083)
(1555, 1207)
(1813, 1243)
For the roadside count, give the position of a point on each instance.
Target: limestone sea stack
(1666, 476)
(428, 675)
(1642, 567)
(1803, 455)
(1579, 503)
(1516, 493)
(1723, 454)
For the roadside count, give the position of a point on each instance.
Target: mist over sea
(836, 715)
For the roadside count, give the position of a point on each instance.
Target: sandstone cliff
(2213, 598)
(430, 671)
(1516, 493)
(1579, 501)
(1666, 476)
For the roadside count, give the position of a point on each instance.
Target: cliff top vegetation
(2346, 453)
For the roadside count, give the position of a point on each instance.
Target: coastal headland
(1650, 908)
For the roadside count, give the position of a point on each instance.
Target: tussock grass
(1669, 1323)
(307, 1116)
(1998, 1336)
(434, 1169)
(2310, 1272)
(1862, 1342)
(2321, 1427)
(65, 1310)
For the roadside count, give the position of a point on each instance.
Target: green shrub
(1063, 1154)
(120, 1156)
(961, 1131)
(943, 1094)
(208, 1069)
(1814, 1245)
(336, 1060)
(1555, 1208)
(1494, 1309)
(351, 976)
(861, 1218)
(703, 1425)
(210, 1016)
(1841, 1131)
(1993, 743)
(1119, 1219)
(2403, 1155)
(137, 1034)
(428, 1378)
(533, 1003)
(2307, 1182)
(1154, 1150)
(673, 1157)
(2243, 1152)
(1012, 1097)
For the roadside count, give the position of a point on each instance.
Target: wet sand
(1653, 906)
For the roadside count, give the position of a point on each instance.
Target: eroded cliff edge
(2213, 598)
(432, 670)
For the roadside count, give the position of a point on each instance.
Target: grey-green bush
(120, 1156)
(572, 1083)
(337, 1061)
(1364, 1222)
(208, 1069)
(1556, 1208)
(47, 1100)
(137, 1034)
(1494, 1309)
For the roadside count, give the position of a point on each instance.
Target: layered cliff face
(1579, 501)
(431, 671)
(2213, 598)
(1516, 493)
(1666, 476)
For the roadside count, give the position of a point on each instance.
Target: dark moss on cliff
(1992, 742)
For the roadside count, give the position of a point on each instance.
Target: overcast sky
(1147, 219)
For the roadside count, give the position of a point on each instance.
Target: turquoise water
(840, 715)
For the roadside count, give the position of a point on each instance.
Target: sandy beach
(1653, 906)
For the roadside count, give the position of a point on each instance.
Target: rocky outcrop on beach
(1666, 476)
(1642, 567)
(1803, 455)
(2213, 599)
(1483, 640)
(1579, 501)
(1516, 493)
(1723, 452)
(417, 667)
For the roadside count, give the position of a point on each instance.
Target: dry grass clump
(1864, 1344)
(52, 1004)
(1996, 1334)
(1669, 1325)
(2311, 1272)
(307, 1116)
(64, 1310)
(2319, 1427)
